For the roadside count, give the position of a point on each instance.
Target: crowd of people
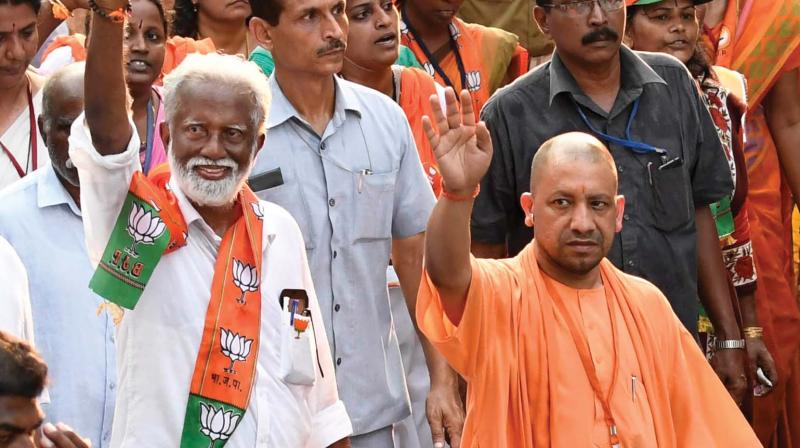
(546, 223)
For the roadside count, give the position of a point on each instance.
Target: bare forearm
(46, 23)
(783, 118)
(747, 305)
(713, 278)
(447, 246)
(407, 261)
(106, 98)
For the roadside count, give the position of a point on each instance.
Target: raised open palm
(462, 147)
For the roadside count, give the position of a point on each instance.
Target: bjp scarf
(150, 226)
(753, 39)
(480, 59)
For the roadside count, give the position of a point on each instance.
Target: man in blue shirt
(341, 159)
(40, 216)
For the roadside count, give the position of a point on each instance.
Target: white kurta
(15, 305)
(16, 139)
(158, 342)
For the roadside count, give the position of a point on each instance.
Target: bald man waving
(559, 347)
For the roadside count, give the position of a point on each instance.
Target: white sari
(16, 139)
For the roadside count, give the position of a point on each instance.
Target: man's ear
(526, 201)
(165, 137)
(619, 201)
(260, 142)
(541, 18)
(40, 122)
(261, 32)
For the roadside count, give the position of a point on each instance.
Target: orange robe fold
(179, 47)
(527, 387)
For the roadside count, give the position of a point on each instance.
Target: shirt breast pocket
(374, 206)
(290, 196)
(671, 205)
(297, 360)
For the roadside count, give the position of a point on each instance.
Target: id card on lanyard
(32, 142)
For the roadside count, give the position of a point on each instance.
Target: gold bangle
(753, 332)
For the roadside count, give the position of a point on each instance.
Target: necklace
(33, 145)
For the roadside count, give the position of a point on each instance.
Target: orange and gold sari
(760, 39)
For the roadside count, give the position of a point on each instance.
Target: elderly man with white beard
(222, 342)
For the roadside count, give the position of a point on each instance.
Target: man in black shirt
(646, 108)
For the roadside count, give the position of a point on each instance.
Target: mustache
(334, 45)
(593, 236)
(196, 161)
(600, 34)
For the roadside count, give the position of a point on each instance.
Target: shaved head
(574, 207)
(570, 149)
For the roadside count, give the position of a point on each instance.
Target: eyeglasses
(584, 7)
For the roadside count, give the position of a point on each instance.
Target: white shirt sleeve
(104, 184)
(15, 305)
(58, 58)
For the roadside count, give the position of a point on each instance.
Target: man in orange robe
(559, 347)
(458, 54)
(761, 39)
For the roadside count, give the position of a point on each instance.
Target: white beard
(204, 192)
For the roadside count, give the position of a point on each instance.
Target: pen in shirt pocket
(361, 174)
(633, 387)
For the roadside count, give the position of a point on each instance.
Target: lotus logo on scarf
(474, 81)
(454, 31)
(143, 227)
(259, 212)
(429, 68)
(245, 277)
(234, 346)
(217, 424)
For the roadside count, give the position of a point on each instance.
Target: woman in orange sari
(761, 39)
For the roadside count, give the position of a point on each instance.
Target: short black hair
(23, 372)
(267, 10)
(185, 20)
(35, 4)
(544, 2)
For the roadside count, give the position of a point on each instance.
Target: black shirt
(658, 240)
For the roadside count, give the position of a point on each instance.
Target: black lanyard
(453, 45)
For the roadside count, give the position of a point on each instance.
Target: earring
(194, 7)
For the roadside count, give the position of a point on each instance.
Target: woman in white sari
(21, 148)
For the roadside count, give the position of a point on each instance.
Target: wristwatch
(729, 344)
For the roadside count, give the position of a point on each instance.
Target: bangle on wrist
(116, 16)
(753, 332)
(459, 198)
(60, 10)
(729, 344)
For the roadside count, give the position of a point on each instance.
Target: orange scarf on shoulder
(150, 226)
